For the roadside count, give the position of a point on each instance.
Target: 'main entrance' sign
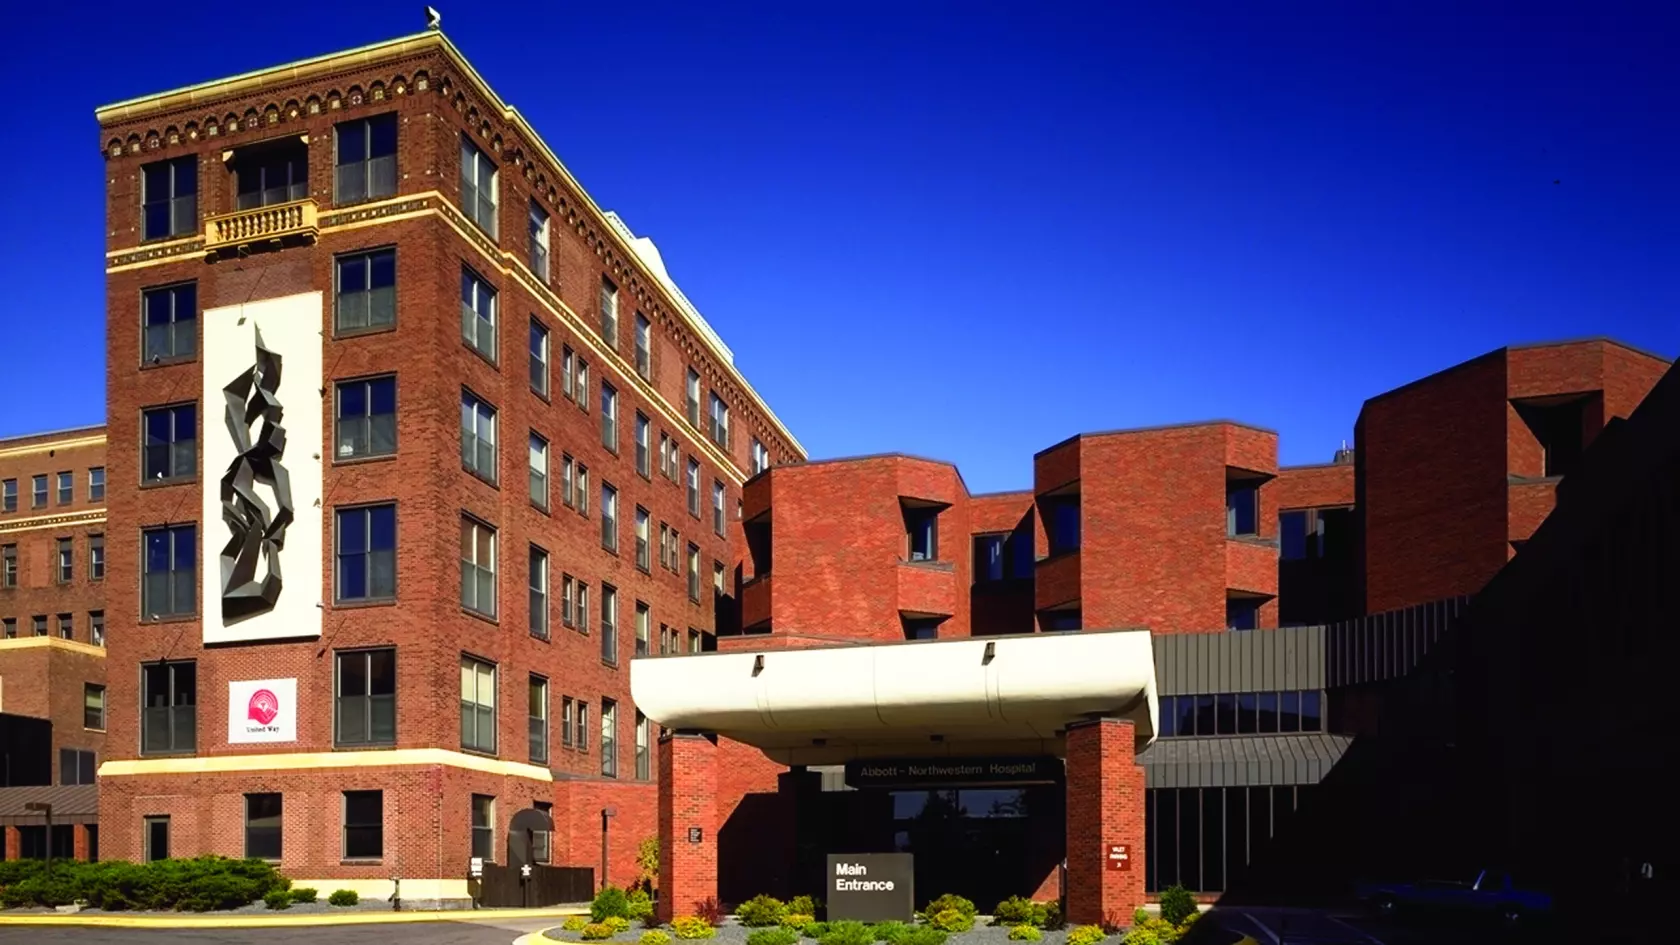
(871, 887)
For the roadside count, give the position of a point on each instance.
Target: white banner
(262, 710)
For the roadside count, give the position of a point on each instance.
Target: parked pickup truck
(1491, 893)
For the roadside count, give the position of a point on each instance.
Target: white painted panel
(291, 327)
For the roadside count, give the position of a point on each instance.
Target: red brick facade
(1105, 820)
(688, 823)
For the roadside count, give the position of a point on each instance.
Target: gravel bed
(732, 933)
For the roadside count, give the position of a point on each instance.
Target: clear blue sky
(967, 230)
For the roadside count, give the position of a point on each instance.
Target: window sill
(544, 637)
(643, 568)
(147, 364)
(928, 564)
(543, 509)
(364, 604)
(482, 754)
(170, 618)
(480, 615)
(1257, 540)
(365, 458)
(99, 730)
(171, 481)
(363, 746)
(542, 395)
(362, 861)
(345, 334)
(487, 359)
(481, 477)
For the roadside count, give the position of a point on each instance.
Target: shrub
(772, 936)
(1177, 905)
(343, 897)
(1140, 915)
(890, 932)
(922, 935)
(574, 923)
(1143, 936)
(711, 910)
(797, 921)
(950, 920)
(278, 899)
(639, 904)
(655, 937)
(803, 905)
(949, 901)
(647, 861)
(617, 923)
(304, 894)
(1053, 918)
(609, 901)
(1018, 910)
(692, 926)
(816, 929)
(1086, 935)
(760, 911)
(848, 933)
(595, 931)
(1025, 933)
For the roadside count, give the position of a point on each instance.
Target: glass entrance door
(971, 842)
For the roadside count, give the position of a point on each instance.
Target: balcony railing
(273, 224)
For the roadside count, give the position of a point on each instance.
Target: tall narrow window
(566, 721)
(364, 825)
(169, 707)
(38, 491)
(478, 314)
(66, 487)
(8, 566)
(478, 705)
(271, 173)
(537, 719)
(169, 198)
(367, 159)
(583, 490)
(567, 369)
(568, 597)
(644, 745)
(66, 561)
(262, 826)
(694, 572)
(538, 580)
(643, 460)
(582, 728)
(539, 358)
(96, 627)
(609, 313)
(170, 316)
(642, 554)
(478, 187)
(96, 484)
(609, 738)
(537, 233)
(643, 632)
(366, 292)
(366, 698)
(719, 502)
(484, 827)
(538, 461)
(367, 554)
(760, 457)
(367, 417)
(691, 397)
(169, 572)
(694, 487)
(609, 417)
(566, 477)
(921, 528)
(8, 496)
(644, 347)
(609, 517)
(171, 445)
(93, 706)
(581, 387)
(478, 567)
(609, 624)
(1242, 507)
(719, 421)
(478, 437)
(156, 838)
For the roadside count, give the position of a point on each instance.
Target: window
(643, 460)
(478, 705)
(583, 490)
(1314, 533)
(542, 841)
(157, 838)
(568, 597)
(719, 421)
(988, 558)
(609, 313)
(643, 619)
(583, 607)
(93, 706)
(169, 701)
(538, 614)
(644, 740)
(96, 484)
(171, 445)
(580, 390)
(76, 766)
(366, 293)
(581, 734)
(38, 491)
(8, 496)
(366, 698)
(537, 718)
(537, 233)
(566, 480)
(1061, 621)
(367, 417)
(169, 198)
(478, 567)
(921, 527)
(272, 173)
(66, 627)
(364, 825)
(538, 460)
(96, 627)
(262, 826)
(1242, 613)
(8, 628)
(367, 554)
(609, 738)
(760, 457)
(694, 487)
(719, 500)
(478, 315)
(1061, 523)
(695, 641)
(609, 417)
(668, 453)
(478, 187)
(664, 545)
(66, 488)
(921, 628)
(691, 393)
(566, 721)
(367, 159)
(1242, 507)
(609, 624)
(39, 624)
(478, 437)
(609, 517)
(694, 572)
(1558, 429)
(1292, 534)
(644, 347)
(484, 827)
(8, 566)
(717, 577)
(66, 568)
(539, 359)
(567, 360)
(96, 557)
(169, 317)
(642, 538)
(167, 585)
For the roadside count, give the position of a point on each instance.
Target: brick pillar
(79, 842)
(14, 842)
(688, 869)
(1105, 808)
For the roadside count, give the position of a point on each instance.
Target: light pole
(45, 809)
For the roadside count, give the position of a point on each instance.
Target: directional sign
(1120, 857)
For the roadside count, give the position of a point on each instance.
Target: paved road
(487, 931)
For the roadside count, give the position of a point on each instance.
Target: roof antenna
(434, 19)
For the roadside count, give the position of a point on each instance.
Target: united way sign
(262, 711)
(871, 887)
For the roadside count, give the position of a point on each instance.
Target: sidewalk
(223, 920)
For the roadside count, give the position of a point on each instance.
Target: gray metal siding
(1241, 761)
(1387, 645)
(1245, 661)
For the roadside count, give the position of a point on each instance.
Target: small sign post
(1120, 857)
(475, 867)
(694, 835)
(871, 887)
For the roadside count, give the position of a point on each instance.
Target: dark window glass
(1246, 707)
(367, 159)
(1189, 837)
(1213, 840)
(157, 838)
(272, 174)
(169, 707)
(478, 187)
(1289, 716)
(367, 697)
(364, 825)
(1266, 712)
(171, 435)
(1242, 613)
(921, 628)
(262, 826)
(367, 417)
(169, 316)
(1225, 718)
(169, 199)
(1167, 721)
(1242, 508)
(367, 553)
(367, 291)
(169, 570)
(1061, 621)
(921, 525)
(484, 827)
(988, 558)
(1311, 719)
(1292, 535)
(1062, 519)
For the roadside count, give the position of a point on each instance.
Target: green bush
(760, 911)
(655, 937)
(803, 905)
(890, 931)
(1143, 936)
(692, 926)
(949, 901)
(1025, 933)
(1086, 935)
(199, 884)
(304, 894)
(610, 901)
(647, 863)
(343, 897)
(1140, 915)
(574, 923)
(278, 899)
(639, 903)
(950, 920)
(922, 935)
(772, 936)
(1019, 910)
(1053, 918)
(848, 933)
(617, 923)
(595, 931)
(816, 929)
(1177, 905)
(797, 921)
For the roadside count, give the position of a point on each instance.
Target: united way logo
(264, 706)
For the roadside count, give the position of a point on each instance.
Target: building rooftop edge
(1123, 431)
(1504, 349)
(53, 434)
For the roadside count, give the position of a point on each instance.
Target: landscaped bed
(201, 884)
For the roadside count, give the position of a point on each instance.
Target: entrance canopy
(1009, 695)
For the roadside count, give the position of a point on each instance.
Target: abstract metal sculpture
(257, 534)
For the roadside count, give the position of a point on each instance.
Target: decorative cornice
(50, 446)
(60, 520)
(296, 761)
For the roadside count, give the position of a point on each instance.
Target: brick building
(52, 641)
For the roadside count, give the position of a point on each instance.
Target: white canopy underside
(967, 697)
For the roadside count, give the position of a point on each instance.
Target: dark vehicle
(1491, 894)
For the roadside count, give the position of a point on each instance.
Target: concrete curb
(211, 921)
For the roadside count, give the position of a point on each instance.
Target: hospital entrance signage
(952, 772)
(871, 887)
